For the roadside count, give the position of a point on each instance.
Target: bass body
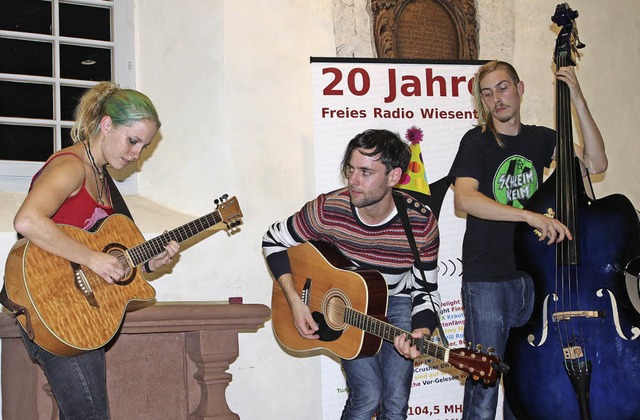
(581, 345)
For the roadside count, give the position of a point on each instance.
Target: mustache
(500, 105)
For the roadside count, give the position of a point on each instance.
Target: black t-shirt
(508, 175)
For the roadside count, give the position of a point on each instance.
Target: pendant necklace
(98, 173)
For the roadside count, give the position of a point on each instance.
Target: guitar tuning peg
(468, 345)
(490, 350)
(224, 197)
(479, 347)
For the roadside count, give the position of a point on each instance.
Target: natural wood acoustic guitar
(71, 310)
(349, 305)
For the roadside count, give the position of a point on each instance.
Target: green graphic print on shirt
(515, 181)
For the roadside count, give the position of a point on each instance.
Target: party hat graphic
(415, 178)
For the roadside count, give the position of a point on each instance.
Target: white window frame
(15, 176)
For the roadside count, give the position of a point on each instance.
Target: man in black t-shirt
(499, 165)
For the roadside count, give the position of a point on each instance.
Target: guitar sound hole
(117, 251)
(334, 312)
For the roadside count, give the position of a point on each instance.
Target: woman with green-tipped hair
(112, 127)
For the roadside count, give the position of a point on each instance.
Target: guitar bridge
(306, 291)
(82, 284)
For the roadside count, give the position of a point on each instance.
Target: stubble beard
(366, 201)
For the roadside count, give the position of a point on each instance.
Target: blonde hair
(123, 106)
(485, 120)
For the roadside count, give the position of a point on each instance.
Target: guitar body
(62, 318)
(330, 281)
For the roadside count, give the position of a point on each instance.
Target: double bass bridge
(568, 315)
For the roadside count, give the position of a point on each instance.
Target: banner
(353, 95)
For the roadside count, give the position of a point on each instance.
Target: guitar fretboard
(149, 249)
(389, 332)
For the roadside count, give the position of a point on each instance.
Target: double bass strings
(569, 326)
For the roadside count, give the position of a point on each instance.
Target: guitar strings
(340, 310)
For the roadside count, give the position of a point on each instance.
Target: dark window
(26, 16)
(19, 142)
(26, 100)
(26, 57)
(85, 63)
(41, 86)
(74, 18)
(69, 97)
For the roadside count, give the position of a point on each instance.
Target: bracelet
(147, 269)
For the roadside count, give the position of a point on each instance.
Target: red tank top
(80, 210)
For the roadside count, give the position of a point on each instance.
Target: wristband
(147, 269)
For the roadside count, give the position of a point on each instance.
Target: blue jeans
(491, 309)
(381, 383)
(79, 383)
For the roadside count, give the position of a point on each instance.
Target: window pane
(66, 137)
(69, 97)
(26, 16)
(18, 142)
(27, 100)
(96, 67)
(27, 57)
(74, 18)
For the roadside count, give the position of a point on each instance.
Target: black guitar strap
(117, 202)
(398, 198)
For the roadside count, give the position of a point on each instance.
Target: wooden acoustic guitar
(70, 309)
(349, 305)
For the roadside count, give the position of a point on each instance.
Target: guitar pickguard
(325, 332)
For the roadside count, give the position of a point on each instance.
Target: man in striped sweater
(362, 221)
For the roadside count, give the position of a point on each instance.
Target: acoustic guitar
(349, 305)
(68, 308)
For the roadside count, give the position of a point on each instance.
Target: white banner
(352, 95)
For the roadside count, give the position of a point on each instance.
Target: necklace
(99, 174)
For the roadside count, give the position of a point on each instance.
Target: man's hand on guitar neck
(302, 319)
(403, 344)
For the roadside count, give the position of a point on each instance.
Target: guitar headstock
(568, 42)
(229, 211)
(478, 365)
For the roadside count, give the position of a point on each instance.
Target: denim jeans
(381, 383)
(79, 383)
(491, 309)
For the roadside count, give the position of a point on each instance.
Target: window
(51, 51)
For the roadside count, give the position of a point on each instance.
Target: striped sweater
(385, 248)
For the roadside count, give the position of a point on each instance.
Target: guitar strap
(119, 206)
(16, 310)
(398, 198)
(117, 202)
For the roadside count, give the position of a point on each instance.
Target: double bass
(578, 357)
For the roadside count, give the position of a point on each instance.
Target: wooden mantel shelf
(168, 362)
